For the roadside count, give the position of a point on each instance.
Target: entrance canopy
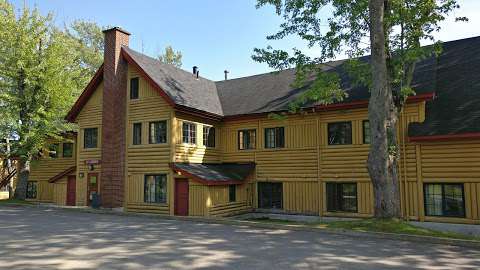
(215, 173)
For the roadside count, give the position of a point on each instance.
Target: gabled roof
(215, 174)
(181, 86)
(85, 96)
(452, 76)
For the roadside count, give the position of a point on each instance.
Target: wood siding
(60, 191)
(214, 200)
(89, 117)
(307, 162)
(451, 162)
(147, 158)
(45, 168)
(195, 153)
(304, 165)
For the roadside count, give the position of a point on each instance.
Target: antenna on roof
(226, 74)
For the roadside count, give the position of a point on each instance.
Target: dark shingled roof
(453, 76)
(456, 109)
(223, 173)
(181, 86)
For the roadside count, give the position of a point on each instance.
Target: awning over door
(215, 173)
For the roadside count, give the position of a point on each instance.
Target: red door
(181, 197)
(71, 190)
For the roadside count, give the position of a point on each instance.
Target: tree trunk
(9, 168)
(22, 179)
(382, 114)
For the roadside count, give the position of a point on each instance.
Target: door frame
(88, 186)
(69, 178)
(176, 197)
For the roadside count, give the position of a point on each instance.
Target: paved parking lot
(40, 238)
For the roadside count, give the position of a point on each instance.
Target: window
(137, 133)
(134, 88)
(366, 131)
(158, 132)
(232, 193)
(246, 139)
(270, 195)
(31, 190)
(189, 133)
(275, 137)
(444, 200)
(340, 133)
(90, 138)
(209, 136)
(53, 150)
(342, 197)
(155, 188)
(67, 150)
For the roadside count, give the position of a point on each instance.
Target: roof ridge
(164, 64)
(333, 61)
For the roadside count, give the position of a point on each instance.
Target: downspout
(407, 204)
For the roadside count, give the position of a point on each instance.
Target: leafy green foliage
(42, 71)
(84, 42)
(346, 30)
(171, 57)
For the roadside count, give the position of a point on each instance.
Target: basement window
(90, 138)
(137, 133)
(232, 193)
(134, 88)
(446, 200)
(366, 131)
(342, 197)
(340, 133)
(155, 189)
(246, 139)
(67, 150)
(275, 137)
(189, 133)
(32, 190)
(209, 136)
(158, 132)
(270, 195)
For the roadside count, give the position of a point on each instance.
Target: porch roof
(215, 173)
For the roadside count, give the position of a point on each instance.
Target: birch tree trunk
(382, 114)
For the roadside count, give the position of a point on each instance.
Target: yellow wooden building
(155, 138)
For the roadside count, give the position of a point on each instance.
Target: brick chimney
(112, 178)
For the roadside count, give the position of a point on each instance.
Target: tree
(38, 84)
(391, 30)
(85, 43)
(171, 57)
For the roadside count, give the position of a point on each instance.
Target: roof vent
(195, 71)
(226, 74)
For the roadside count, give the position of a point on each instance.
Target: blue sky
(212, 34)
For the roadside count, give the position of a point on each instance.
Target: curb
(297, 227)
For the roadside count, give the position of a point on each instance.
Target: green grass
(372, 225)
(14, 201)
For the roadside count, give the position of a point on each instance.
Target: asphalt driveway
(39, 238)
